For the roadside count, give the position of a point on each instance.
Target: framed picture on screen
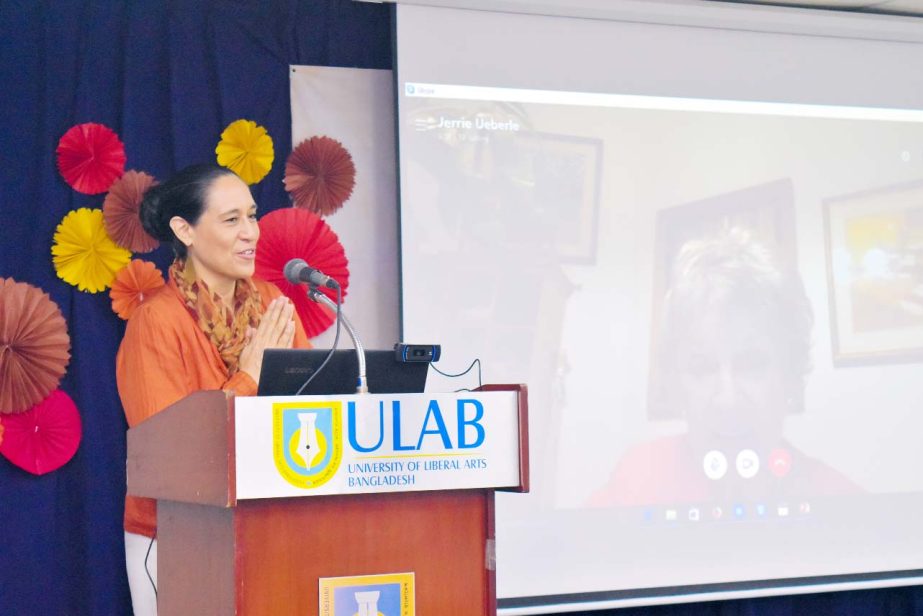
(874, 245)
(565, 172)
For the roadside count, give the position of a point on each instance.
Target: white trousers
(143, 597)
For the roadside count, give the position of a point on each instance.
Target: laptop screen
(284, 371)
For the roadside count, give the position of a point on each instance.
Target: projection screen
(697, 235)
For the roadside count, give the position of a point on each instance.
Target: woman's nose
(726, 387)
(250, 230)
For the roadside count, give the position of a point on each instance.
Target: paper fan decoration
(320, 175)
(34, 345)
(246, 149)
(292, 233)
(133, 284)
(83, 253)
(45, 437)
(120, 212)
(90, 158)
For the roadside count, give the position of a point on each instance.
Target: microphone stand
(317, 297)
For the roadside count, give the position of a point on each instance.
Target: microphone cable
(147, 570)
(336, 340)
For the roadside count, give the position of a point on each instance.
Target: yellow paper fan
(83, 253)
(246, 149)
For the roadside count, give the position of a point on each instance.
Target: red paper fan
(133, 284)
(34, 346)
(120, 212)
(90, 158)
(45, 437)
(291, 233)
(320, 175)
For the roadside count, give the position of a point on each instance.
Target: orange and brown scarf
(226, 326)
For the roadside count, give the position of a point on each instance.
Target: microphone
(297, 271)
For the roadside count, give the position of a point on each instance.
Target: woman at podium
(206, 328)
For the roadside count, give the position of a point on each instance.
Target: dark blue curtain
(167, 76)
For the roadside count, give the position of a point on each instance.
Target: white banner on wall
(356, 107)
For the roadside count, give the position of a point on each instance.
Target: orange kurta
(163, 358)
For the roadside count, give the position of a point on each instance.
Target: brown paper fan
(34, 346)
(320, 175)
(120, 212)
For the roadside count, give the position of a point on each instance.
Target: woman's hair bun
(184, 195)
(152, 216)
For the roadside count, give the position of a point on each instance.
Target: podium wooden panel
(220, 556)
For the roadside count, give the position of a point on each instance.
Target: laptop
(284, 371)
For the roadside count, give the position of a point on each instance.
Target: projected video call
(719, 312)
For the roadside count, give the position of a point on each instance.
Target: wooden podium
(220, 553)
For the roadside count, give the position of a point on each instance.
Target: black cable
(477, 362)
(148, 571)
(336, 340)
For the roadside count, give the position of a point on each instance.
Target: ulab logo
(441, 429)
(307, 441)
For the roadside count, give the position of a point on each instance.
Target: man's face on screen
(731, 377)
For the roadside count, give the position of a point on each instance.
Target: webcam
(416, 352)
